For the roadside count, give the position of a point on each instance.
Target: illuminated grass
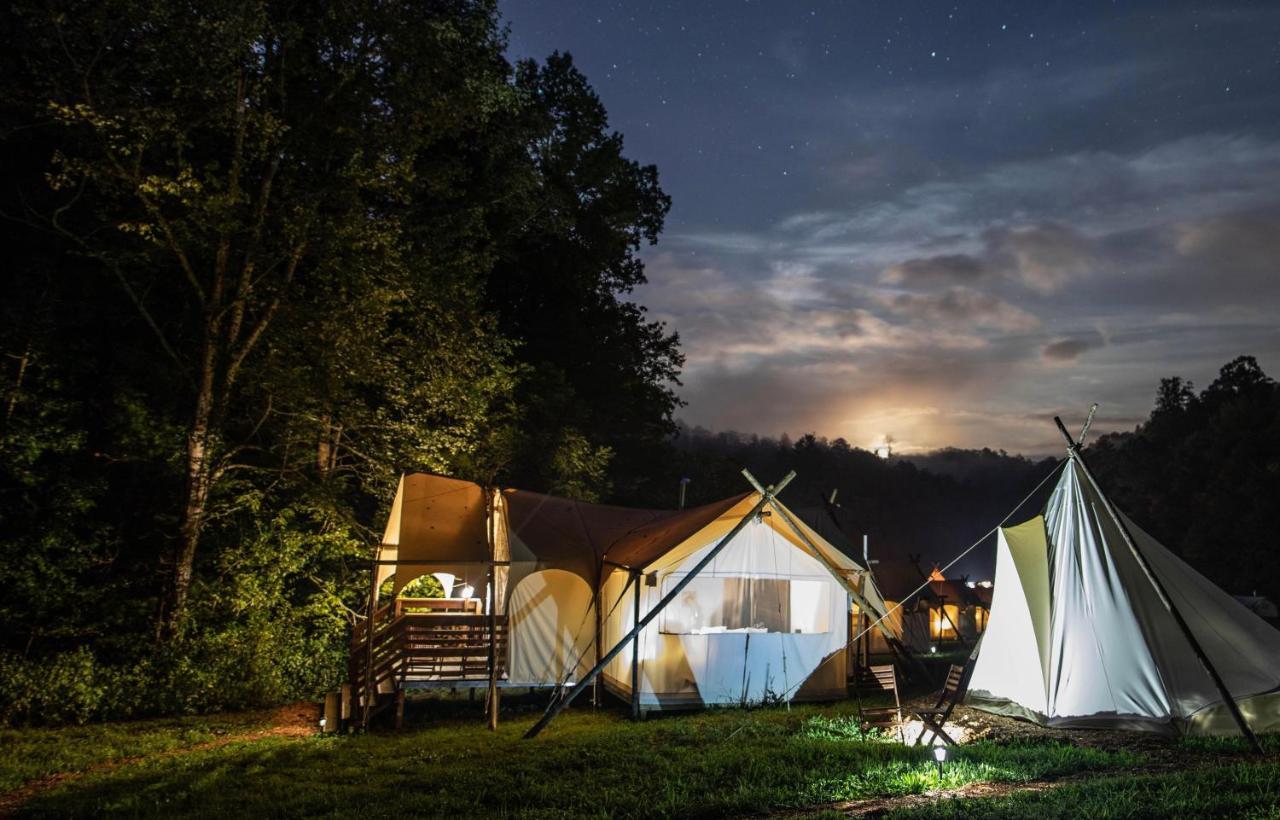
(1247, 790)
(713, 763)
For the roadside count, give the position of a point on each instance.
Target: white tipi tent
(1081, 636)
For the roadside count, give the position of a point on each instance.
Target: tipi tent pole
(557, 706)
(635, 652)
(1073, 447)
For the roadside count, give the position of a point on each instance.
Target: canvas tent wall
(1078, 635)
(559, 566)
(768, 618)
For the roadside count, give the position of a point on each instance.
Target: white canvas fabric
(553, 626)
(1021, 634)
(1114, 655)
(765, 620)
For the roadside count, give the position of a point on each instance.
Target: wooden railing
(420, 641)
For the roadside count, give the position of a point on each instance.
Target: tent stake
(558, 706)
(1073, 448)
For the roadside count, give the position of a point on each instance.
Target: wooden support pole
(556, 707)
(1073, 449)
(635, 652)
(492, 699)
(597, 600)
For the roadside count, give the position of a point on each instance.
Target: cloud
(946, 267)
(976, 295)
(1247, 241)
(1044, 257)
(1065, 350)
(961, 306)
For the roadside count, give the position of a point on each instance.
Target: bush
(245, 666)
(66, 688)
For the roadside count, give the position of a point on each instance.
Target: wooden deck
(426, 643)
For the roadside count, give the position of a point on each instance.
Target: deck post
(635, 651)
(492, 701)
(596, 599)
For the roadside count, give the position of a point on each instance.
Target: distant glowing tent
(1079, 635)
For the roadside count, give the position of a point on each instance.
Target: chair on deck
(878, 680)
(935, 717)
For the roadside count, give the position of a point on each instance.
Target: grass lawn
(706, 764)
(29, 754)
(1240, 790)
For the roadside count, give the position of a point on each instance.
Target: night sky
(945, 222)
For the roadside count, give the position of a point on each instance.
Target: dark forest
(260, 260)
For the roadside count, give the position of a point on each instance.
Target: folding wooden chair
(935, 717)
(878, 680)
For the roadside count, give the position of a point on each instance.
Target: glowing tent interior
(561, 581)
(1090, 630)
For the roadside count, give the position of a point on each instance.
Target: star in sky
(962, 218)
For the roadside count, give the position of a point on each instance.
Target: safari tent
(1095, 624)
(557, 582)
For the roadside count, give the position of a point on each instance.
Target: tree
(600, 386)
(230, 165)
(1202, 474)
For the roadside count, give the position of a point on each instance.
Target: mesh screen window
(733, 604)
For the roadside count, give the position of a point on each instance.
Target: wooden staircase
(421, 643)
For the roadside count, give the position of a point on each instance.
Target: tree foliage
(1202, 474)
(265, 257)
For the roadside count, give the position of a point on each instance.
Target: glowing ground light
(940, 755)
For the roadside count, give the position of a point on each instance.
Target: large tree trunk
(195, 502)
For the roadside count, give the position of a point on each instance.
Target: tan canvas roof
(442, 520)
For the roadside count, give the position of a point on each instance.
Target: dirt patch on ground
(979, 725)
(300, 719)
(880, 806)
(1162, 754)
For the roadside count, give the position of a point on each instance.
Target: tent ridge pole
(557, 706)
(1073, 448)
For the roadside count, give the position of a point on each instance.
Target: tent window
(716, 604)
(940, 628)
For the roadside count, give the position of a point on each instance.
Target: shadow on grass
(709, 763)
